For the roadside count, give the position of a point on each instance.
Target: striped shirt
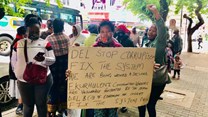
(59, 43)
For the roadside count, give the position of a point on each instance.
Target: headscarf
(123, 28)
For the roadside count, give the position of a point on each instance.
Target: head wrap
(123, 28)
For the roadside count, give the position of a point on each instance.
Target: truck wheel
(5, 43)
(5, 98)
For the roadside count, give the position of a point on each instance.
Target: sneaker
(51, 114)
(178, 78)
(19, 111)
(160, 98)
(62, 114)
(123, 109)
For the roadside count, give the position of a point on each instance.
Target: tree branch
(200, 18)
(190, 22)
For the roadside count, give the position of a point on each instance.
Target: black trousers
(35, 95)
(151, 105)
(176, 71)
(199, 44)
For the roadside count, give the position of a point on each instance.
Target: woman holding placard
(106, 29)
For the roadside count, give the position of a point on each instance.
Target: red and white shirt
(33, 48)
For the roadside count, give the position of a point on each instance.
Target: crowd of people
(50, 97)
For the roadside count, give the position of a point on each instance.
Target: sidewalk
(194, 79)
(193, 87)
(11, 113)
(193, 83)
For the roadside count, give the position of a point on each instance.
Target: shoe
(63, 113)
(19, 111)
(50, 114)
(123, 109)
(173, 76)
(160, 98)
(178, 78)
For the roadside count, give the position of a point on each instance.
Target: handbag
(34, 74)
(160, 75)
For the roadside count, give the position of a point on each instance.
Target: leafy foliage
(18, 10)
(60, 5)
(191, 5)
(9, 9)
(138, 7)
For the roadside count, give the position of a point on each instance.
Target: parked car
(5, 98)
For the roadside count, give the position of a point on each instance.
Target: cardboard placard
(109, 77)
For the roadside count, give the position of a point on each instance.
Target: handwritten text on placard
(109, 77)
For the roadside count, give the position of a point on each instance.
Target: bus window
(68, 18)
(18, 23)
(79, 20)
(45, 14)
(29, 10)
(54, 16)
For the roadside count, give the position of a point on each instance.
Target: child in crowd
(177, 66)
(169, 55)
(13, 90)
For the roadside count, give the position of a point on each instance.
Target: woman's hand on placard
(156, 66)
(68, 73)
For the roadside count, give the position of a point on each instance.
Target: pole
(181, 20)
(185, 35)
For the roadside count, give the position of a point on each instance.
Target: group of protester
(51, 97)
(173, 51)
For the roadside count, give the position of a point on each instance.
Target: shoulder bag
(34, 74)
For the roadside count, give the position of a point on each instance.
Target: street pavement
(194, 78)
(194, 81)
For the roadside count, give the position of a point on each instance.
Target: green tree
(195, 8)
(138, 7)
(5, 6)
